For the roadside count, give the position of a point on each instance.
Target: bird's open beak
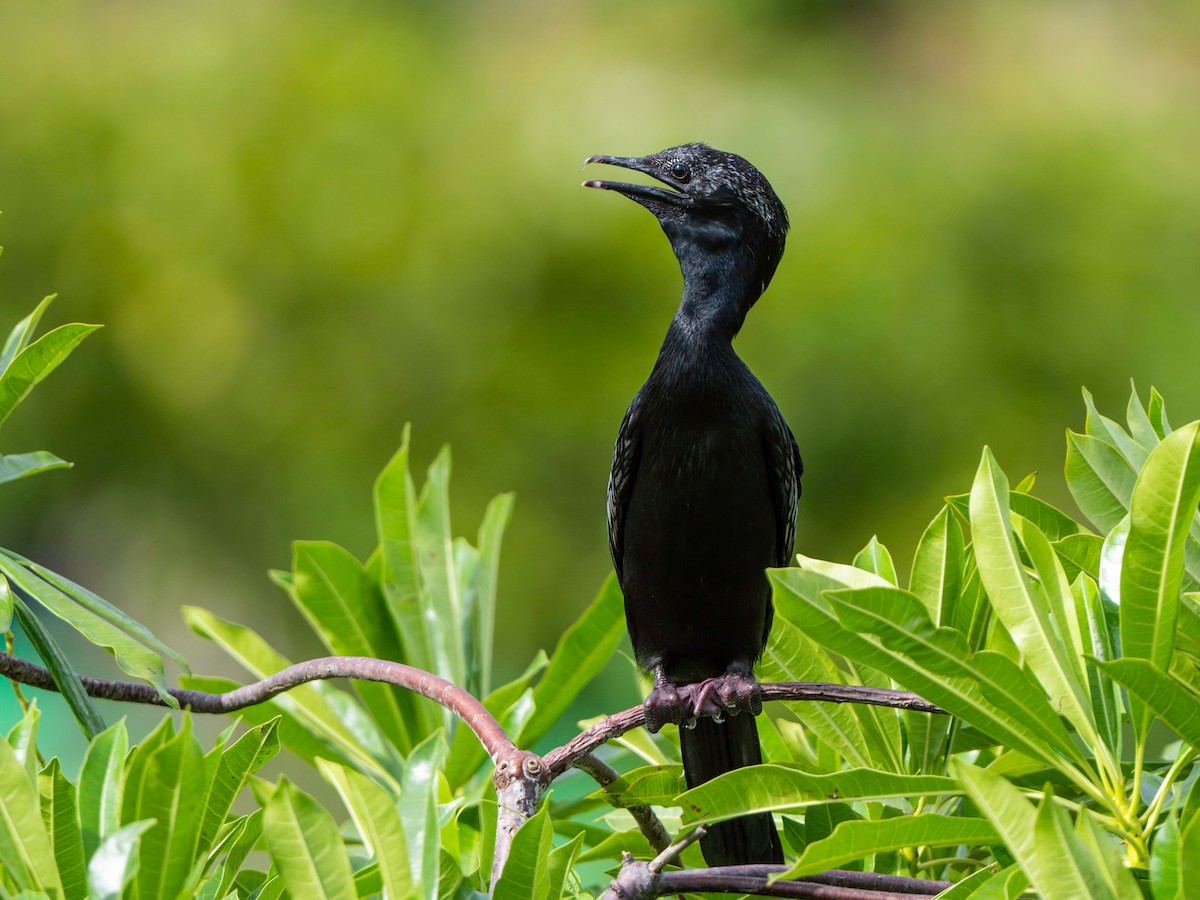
(678, 196)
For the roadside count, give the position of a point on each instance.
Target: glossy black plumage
(705, 477)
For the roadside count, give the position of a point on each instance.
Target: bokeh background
(305, 224)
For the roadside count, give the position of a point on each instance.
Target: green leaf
(1158, 415)
(419, 812)
(803, 598)
(1165, 695)
(21, 465)
(131, 655)
(62, 824)
(26, 852)
(171, 794)
(101, 607)
(379, 823)
(1096, 622)
(236, 843)
(902, 626)
(236, 764)
(483, 619)
(37, 361)
(116, 862)
(1080, 553)
(988, 884)
(558, 868)
(582, 652)
(434, 544)
(1057, 863)
(1054, 523)
(875, 558)
(1023, 605)
(1140, 427)
(20, 337)
(937, 568)
(64, 675)
(1165, 862)
(645, 786)
(1100, 479)
(305, 847)
(790, 656)
(101, 783)
(6, 605)
(343, 606)
(1112, 433)
(1161, 512)
(22, 737)
(845, 576)
(851, 841)
(526, 874)
(772, 788)
(395, 511)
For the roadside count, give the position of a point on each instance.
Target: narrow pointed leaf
(1100, 479)
(378, 821)
(172, 795)
(37, 361)
(938, 567)
(790, 656)
(1020, 603)
(526, 874)
(334, 593)
(20, 336)
(771, 788)
(305, 846)
(65, 678)
(22, 465)
(116, 862)
(851, 841)
(26, 851)
(483, 622)
(1164, 694)
(1161, 513)
(237, 763)
(60, 816)
(875, 558)
(130, 653)
(419, 813)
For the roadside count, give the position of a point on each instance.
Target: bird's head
(714, 204)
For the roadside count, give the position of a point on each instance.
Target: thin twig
(648, 823)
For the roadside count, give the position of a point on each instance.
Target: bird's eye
(680, 172)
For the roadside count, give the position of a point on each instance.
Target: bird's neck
(718, 291)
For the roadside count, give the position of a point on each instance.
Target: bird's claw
(690, 724)
(665, 705)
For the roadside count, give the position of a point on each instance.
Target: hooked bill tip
(594, 158)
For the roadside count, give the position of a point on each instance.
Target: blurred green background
(305, 224)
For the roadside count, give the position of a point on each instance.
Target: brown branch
(449, 695)
(562, 758)
(648, 823)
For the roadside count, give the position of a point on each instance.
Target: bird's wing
(785, 467)
(620, 481)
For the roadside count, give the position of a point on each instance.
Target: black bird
(705, 478)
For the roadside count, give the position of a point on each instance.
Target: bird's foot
(730, 693)
(665, 705)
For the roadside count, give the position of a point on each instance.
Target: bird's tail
(709, 750)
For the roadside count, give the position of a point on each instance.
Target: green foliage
(24, 363)
(1049, 645)
(1067, 661)
(151, 822)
